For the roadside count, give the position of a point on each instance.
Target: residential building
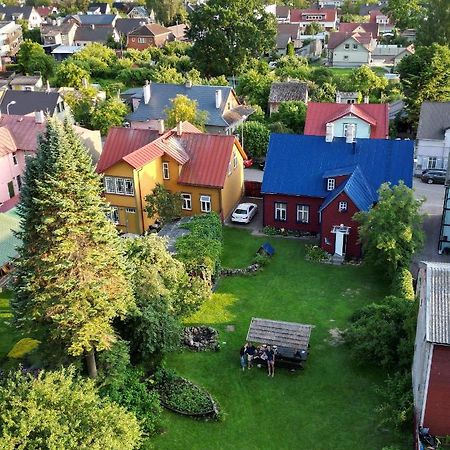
(148, 104)
(390, 55)
(325, 17)
(10, 39)
(62, 34)
(26, 83)
(62, 52)
(46, 11)
(433, 136)
(14, 13)
(98, 20)
(149, 35)
(90, 34)
(361, 27)
(28, 102)
(124, 26)
(348, 98)
(9, 225)
(369, 120)
(315, 184)
(350, 49)
(179, 32)
(206, 169)
(431, 364)
(138, 12)
(99, 8)
(285, 91)
(286, 33)
(385, 25)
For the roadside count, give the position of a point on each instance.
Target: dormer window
(331, 183)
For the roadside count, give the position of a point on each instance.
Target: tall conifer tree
(71, 279)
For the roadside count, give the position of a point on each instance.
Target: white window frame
(113, 214)
(205, 203)
(303, 213)
(235, 159)
(129, 186)
(280, 211)
(110, 185)
(230, 169)
(432, 162)
(165, 170)
(345, 126)
(331, 184)
(120, 186)
(14, 158)
(130, 210)
(187, 202)
(141, 40)
(343, 206)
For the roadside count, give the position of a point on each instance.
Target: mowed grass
(328, 406)
(8, 335)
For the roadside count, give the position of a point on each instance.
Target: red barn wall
(437, 407)
(292, 201)
(331, 217)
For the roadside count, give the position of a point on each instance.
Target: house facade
(62, 34)
(350, 49)
(207, 170)
(326, 17)
(149, 35)
(23, 12)
(370, 120)
(315, 184)
(433, 136)
(10, 39)
(431, 364)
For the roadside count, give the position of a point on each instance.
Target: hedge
(402, 284)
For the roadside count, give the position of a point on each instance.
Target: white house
(350, 49)
(433, 136)
(326, 17)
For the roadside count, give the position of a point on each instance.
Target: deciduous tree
(183, 109)
(434, 26)
(32, 58)
(70, 281)
(108, 113)
(69, 74)
(256, 137)
(405, 13)
(366, 81)
(292, 114)
(163, 204)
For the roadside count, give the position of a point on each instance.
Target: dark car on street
(431, 176)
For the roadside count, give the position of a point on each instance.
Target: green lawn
(8, 336)
(328, 406)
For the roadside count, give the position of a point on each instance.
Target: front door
(339, 243)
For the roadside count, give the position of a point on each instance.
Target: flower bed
(184, 397)
(201, 338)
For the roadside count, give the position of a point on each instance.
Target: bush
(402, 284)
(261, 259)
(23, 347)
(315, 253)
(270, 231)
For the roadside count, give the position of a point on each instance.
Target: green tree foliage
(402, 284)
(313, 28)
(255, 87)
(378, 333)
(434, 27)
(69, 74)
(292, 114)
(60, 410)
(226, 33)
(108, 113)
(182, 109)
(32, 58)
(96, 58)
(167, 11)
(293, 67)
(391, 232)
(405, 13)
(353, 18)
(256, 138)
(366, 81)
(70, 279)
(163, 204)
(82, 103)
(425, 76)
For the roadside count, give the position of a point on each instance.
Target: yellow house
(207, 169)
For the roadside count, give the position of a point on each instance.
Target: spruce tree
(71, 279)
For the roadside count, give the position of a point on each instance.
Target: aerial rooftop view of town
(225, 225)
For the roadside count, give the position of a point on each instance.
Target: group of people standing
(264, 352)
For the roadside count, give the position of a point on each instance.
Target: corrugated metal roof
(438, 302)
(7, 143)
(319, 114)
(295, 164)
(120, 142)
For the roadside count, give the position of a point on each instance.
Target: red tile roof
(330, 14)
(367, 27)
(319, 114)
(338, 37)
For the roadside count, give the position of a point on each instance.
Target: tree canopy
(183, 109)
(32, 58)
(163, 204)
(434, 26)
(60, 410)
(226, 33)
(70, 281)
(405, 13)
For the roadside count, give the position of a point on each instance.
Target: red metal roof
(338, 37)
(351, 27)
(120, 142)
(24, 129)
(329, 13)
(319, 114)
(7, 143)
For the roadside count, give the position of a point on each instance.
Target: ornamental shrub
(315, 253)
(23, 347)
(402, 284)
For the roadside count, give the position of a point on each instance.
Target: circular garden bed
(201, 338)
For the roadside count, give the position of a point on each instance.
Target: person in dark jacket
(251, 350)
(270, 353)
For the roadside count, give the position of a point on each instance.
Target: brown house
(149, 35)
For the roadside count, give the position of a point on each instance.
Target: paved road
(432, 207)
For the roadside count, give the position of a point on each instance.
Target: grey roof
(125, 26)
(67, 49)
(25, 80)
(12, 11)
(437, 312)
(284, 334)
(140, 10)
(28, 102)
(94, 19)
(434, 120)
(97, 34)
(162, 93)
(287, 91)
(282, 40)
(397, 108)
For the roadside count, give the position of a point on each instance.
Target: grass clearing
(8, 335)
(329, 405)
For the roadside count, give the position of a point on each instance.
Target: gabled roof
(93, 19)
(319, 114)
(295, 164)
(288, 29)
(97, 34)
(288, 90)
(7, 143)
(125, 26)
(298, 15)
(337, 38)
(282, 11)
(162, 93)
(150, 29)
(28, 102)
(434, 120)
(11, 12)
(366, 26)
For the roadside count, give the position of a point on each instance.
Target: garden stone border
(201, 338)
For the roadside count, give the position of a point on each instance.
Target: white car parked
(244, 212)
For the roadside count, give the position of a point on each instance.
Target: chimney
(179, 128)
(350, 133)
(366, 99)
(329, 132)
(161, 126)
(188, 83)
(84, 82)
(39, 116)
(147, 92)
(338, 97)
(218, 98)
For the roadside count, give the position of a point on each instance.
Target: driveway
(432, 207)
(257, 223)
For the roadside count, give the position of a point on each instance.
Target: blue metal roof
(162, 93)
(296, 165)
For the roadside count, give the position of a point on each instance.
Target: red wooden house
(316, 184)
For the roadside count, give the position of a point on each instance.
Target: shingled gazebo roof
(283, 334)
